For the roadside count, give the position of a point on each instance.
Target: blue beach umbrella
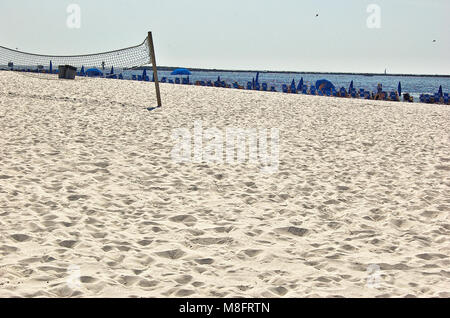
(300, 84)
(51, 67)
(82, 71)
(351, 86)
(112, 70)
(94, 72)
(257, 77)
(400, 88)
(440, 91)
(218, 79)
(324, 85)
(144, 74)
(253, 82)
(181, 71)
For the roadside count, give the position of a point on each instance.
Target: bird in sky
(317, 15)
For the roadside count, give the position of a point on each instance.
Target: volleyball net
(127, 58)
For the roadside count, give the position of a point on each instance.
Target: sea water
(414, 85)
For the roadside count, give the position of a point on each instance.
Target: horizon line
(171, 68)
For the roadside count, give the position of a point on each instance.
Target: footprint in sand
(204, 261)
(252, 253)
(431, 257)
(185, 279)
(172, 254)
(280, 291)
(212, 241)
(67, 244)
(293, 231)
(185, 219)
(20, 238)
(148, 283)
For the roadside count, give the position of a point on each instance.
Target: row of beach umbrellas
(321, 84)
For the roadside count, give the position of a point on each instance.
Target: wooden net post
(155, 68)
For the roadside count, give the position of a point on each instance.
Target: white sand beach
(92, 204)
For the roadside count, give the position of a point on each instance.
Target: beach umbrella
(153, 77)
(112, 70)
(82, 71)
(300, 84)
(181, 71)
(400, 88)
(218, 79)
(94, 72)
(351, 86)
(440, 91)
(324, 85)
(144, 74)
(253, 82)
(51, 67)
(257, 77)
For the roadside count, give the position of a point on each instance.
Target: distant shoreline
(171, 68)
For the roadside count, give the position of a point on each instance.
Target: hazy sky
(243, 34)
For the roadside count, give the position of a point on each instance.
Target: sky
(281, 35)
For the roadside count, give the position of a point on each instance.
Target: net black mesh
(125, 58)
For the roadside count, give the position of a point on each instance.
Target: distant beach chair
(164, 80)
(235, 85)
(264, 87)
(437, 98)
(334, 92)
(393, 96)
(422, 98)
(320, 92)
(171, 81)
(139, 78)
(313, 90)
(185, 81)
(285, 88)
(305, 89)
(367, 95)
(249, 85)
(445, 98)
(257, 87)
(362, 94)
(272, 89)
(133, 77)
(209, 84)
(343, 92)
(177, 81)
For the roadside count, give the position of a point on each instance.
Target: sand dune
(92, 204)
